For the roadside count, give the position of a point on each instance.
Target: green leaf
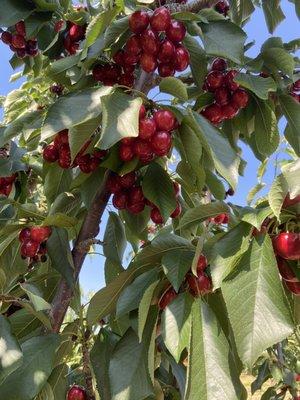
(175, 325)
(273, 14)
(198, 61)
(215, 185)
(46, 393)
(291, 110)
(115, 30)
(280, 59)
(255, 216)
(258, 85)
(58, 381)
(161, 195)
(175, 87)
(114, 238)
(13, 11)
(130, 298)
(60, 220)
(73, 109)
(241, 10)
(57, 181)
(212, 372)
(123, 122)
(144, 307)
(98, 25)
(10, 351)
(224, 39)
(266, 129)
(27, 381)
(60, 254)
(12, 164)
(35, 297)
(176, 264)
(263, 318)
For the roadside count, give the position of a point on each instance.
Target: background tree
(211, 288)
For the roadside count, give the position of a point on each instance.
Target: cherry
(128, 180)
(29, 248)
(230, 192)
(156, 216)
(213, 113)
(147, 128)
(21, 53)
(222, 7)
(138, 21)
(6, 37)
(135, 208)
(59, 25)
(148, 62)
(176, 31)
(288, 202)
(161, 143)
(61, 138)
(133, 45)
(64, 160)
(150, 42)
(77, 32)
(165, 70)
(131, 59)
(128, 141)
(199, 285)
(182, 58)
(167, 51)
(221, 219)
(296, 97)
(214, 80)
(160, 19)
(229, 80)
(222, 96)
(142, 113)
(296, 85)
(24, 234)
(219, 64)
(177, 211)
(57, 88)
(120, 200)
(43, 248)
(201, 264)
(20, 28)
(113, 184)
(142, 149)
(240, 98)
(285, 271)
(5, 190)
(164, 120)
(40, 233)
(126, 153)
(176, 188)
(84, 163)
(287, 245)
(69, 45)
(229, 111)
(50, 153)
(127, 80)
(294, 287)
(18, 41)
(136, 195)
(76, 393)
(168, 296)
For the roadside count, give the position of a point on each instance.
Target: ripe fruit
(76, 393)
(222, 96)
(133, 45)
(24, 234)
(294, 287)
(161, 143)
(128, 180)
(6, 37)
(150, 42)
(213, 113)
(287, 245)
(136, 195)
(229, 111)
(142, 113)
(167, 298)
(229, 82)
(240, 98)
(176, 31)
(40, 233)
(18, 41)
(113, 184)
(135, 208)
(59, 25)
(165, 70)
(147, 128)
(142, 150)
(219, 65)
(177, 211)
(221, 219)
(176, 188)
(148, 62)
(156, 216)
(77, 32)
(64, 160)
(165, 120)
(166, 52)
(29, 248)
(120, 200)
(214, 80)
(126, 152)
(201, 264)
(61, 138)
(199, 285)
(20, 28)
(182, 58)
(160, 19)
(288, 202)
(285, 271)
(222, 7)
(138, 21)
(50, 153)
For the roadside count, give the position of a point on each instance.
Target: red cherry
(77, 33)
(287, 245)
(161, 143)
(8, 179)
(222, 7)
(126, 153)
(136, 195)
(98, 73)
(166, 52)
(199, 285)
(128, 69)
(230, 192)
(133, 45)
(31, 51)
(160, 19)
(50, 153)
(24, 234)
(130, 59)
(229, 111)
(213, 113)
(182, 58)
(18, 41)
(219, 64)
(288, 202)
(20, 28)
(113, 184)
(262, 231)
(214, 80)
(6, 189)
(296, 85)
(150, 42)
(165, 70)
(120, 200)
(201, 264)
(100, 154)
(6, 37)
(57, 89)
(177, 211)
(285, 271)
(147, 128)
(148, 62)
(128, 180)
(229, 80)
(29, 248)
(222, 96)
(294, 287)
(40, 233)
(240, 98)
(69, 45)
(21, 53)
(138, 21)
(142, 113)
(176, 188)
(176, 31)
(76, 393)
(61, 138)
(296, 97)
(168, 296)
(135, 208)
(59, 25)
(64, 160)
(143, 151)
(119, 57)
(164, 120)
(156, 216)
(221, 219)
(127, 80)
(128, 141)
(84, 163)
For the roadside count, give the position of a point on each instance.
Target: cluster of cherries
(77, 393)
(18, 42)
(73, 35)
(128, 195)
(229, 98)
(155, 44)
(222, 7)
(197, 285)
(295, 90)
(60, 151)
(33, 242)
(6, 184)
(154, 139)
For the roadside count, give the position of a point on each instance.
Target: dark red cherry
(131, 59)
(164, 120)
(176, 188)
(160, 19)
(147, 128)
(214, 80)
(126, 152)
(199, 285)
(161, 143)
(201, 264)
(167, 297)
(61, 138)
(127, 80)
(156, 216)
(176, 31)
(240, 98)
(18, 41)
(165, 70)
(222, 96)
(213, 113)
(142, 113)
(229, 111)
(113, 184)
(229, 80)
(50, 153)
(128, 180)
(150, 42)
(119, 200)
(177, 211)
(24, 234)
(59, 25)
(148, 62)
(135, 208)
(40, 233)
(77, 393)
(133, 45)
(119, 57)
(136, 195)
(219, 64)
(166, 51)
(29, 248)
(138, 21)
(6, 37)
(182, 58)
(20, 28)
(77, 32)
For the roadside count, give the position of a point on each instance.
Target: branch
(194, 6)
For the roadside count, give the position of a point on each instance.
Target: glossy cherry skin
(176, 188)
(296, 85)
(201, 264)
(161, 143)
(222, 96)
(166, 51)
(285, 271)
(221, 219)
(128, 180)
(135, 208)
(294, 287)
(167, 298)
(127, 80)
(136, 195)
(76, 393)
(219, 64)
(150, 42)
(199, 285)
(240, 98)
(29, 248)
(222, 7)
(165, 120)
(156, 216)
(165, 70)
(142, 149)
(126, 153)
(214, 80)
(40, 233)
(160, 19)
(147, 128)
(148, 62)
(177, 211)
(288, 202)
(138, 21)
(120, 200)
(64, 160)
(233, 86)
(24, 234)
(6, 37)
(77, 33)
(114, 184)
(50, 153)
(133, 45)
(287, 245)
(213, 113)
(182, 58)
(229, 111)
(61, 138)
(176, 31)
(18, 41)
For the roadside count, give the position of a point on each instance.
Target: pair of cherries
(6, 184)
(73, 35)
(33, 242)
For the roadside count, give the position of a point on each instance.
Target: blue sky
(92, 273)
